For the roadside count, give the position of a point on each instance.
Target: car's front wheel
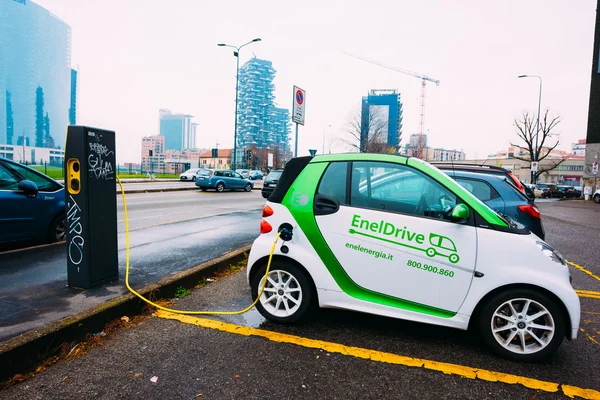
(193, 179)
(522, 325)
(248, 188)
(288, 294)
(58, 230)
(597, 198)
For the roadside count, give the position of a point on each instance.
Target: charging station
(91, 207)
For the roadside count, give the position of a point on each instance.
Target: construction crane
(424, 79)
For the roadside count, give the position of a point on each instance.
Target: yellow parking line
(588, 293)
(579, 267)
(390, 358)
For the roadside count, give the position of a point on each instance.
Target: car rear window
(482, 190)
(273, 175)
(291, 171)
(204, 172)
(517, 191)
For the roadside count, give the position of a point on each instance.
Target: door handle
(325, 205)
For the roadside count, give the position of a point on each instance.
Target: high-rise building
(35, 52)
(73, 100)
(153, 153)
(260, 123)
(194, 136)
(386, 103)
(176, 128)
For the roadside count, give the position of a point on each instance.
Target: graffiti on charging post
(99, 163)
(74, 221)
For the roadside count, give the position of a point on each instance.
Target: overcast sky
(136, 56)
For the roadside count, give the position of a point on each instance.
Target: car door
(388, 226)
(19, 213)
(239, 180)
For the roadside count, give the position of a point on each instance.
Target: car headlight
(550, 252)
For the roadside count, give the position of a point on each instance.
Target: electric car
(420, 248)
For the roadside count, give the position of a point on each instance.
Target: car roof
(472, 167)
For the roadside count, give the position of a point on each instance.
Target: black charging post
(91, 202)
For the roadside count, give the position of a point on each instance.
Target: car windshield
(274, 175)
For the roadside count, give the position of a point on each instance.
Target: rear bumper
(205, 184)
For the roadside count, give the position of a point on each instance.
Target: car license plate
(201, 178)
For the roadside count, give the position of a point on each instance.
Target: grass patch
(181, 292)
(50, 170)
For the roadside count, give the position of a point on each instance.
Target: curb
(167, 190)
(22, 354)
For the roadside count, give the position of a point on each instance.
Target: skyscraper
(35, 52)
(260, 123)
(387, 104)
(177, 130)
(73, 100)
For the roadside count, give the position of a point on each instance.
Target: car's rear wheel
(58, 230)
(220, 187)
(597, 198)
(522, 325)
(248, 188)
(288, 294)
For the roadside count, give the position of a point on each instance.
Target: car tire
(248, 188)
(193, 179)
(597, 198)
(220, 187)
(510, 335)
(292, 302)
(58, 230)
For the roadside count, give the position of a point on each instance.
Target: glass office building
(177, 130)
(35, 52)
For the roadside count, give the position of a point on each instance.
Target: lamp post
(236, 54)
(324, 130)
(534, 156)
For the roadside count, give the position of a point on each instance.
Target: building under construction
(389, 107)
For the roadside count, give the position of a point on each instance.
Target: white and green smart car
(395, 236)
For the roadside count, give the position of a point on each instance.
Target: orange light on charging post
(267, 211)
(265, 227)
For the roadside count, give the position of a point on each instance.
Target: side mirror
(29, 188)
(460, 214)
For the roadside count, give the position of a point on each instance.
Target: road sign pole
(296, 143)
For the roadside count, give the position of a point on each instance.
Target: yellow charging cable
(260, 293)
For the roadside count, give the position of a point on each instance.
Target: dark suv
(270, 182)
(482, 169)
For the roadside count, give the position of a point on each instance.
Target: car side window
(227, 174)
(218, 173)
(399, 188)
(236, 175)
(44, 184)
(482, 190)
(7, 180)
(334, 181)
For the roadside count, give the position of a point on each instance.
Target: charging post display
(91, 207)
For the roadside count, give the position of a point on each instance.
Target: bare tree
(374, 128)
(526, 131)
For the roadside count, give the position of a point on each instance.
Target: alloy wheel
(522, 326)
(282, 296)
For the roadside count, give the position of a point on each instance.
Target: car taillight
(210, 174)
(267, 211)
(517, 183)
(265, 227)
(532, 211)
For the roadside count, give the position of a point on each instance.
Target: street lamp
(236, 54)
(534, 156)
(324, 130)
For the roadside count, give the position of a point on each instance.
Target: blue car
(502, 196)
(255, 174)
(32, 206)
(221, 180)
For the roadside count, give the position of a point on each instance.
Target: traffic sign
(299, 104)
(534, 166)
(595, 168)
(312, 152)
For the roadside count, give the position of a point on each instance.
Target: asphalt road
(167, 185)
(195, 362)
(170, 232)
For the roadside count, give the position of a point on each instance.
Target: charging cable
(260, 293)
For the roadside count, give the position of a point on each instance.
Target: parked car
(255, 174)
(189, 175)
(500, 195)
(32, 205)
(270, 182)
(551, 191)
(420, 248)
(484, 169)
(529, 190)
(569, 192)
(243, 172)
(221, 180)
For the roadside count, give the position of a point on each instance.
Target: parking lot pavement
(336, 354)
